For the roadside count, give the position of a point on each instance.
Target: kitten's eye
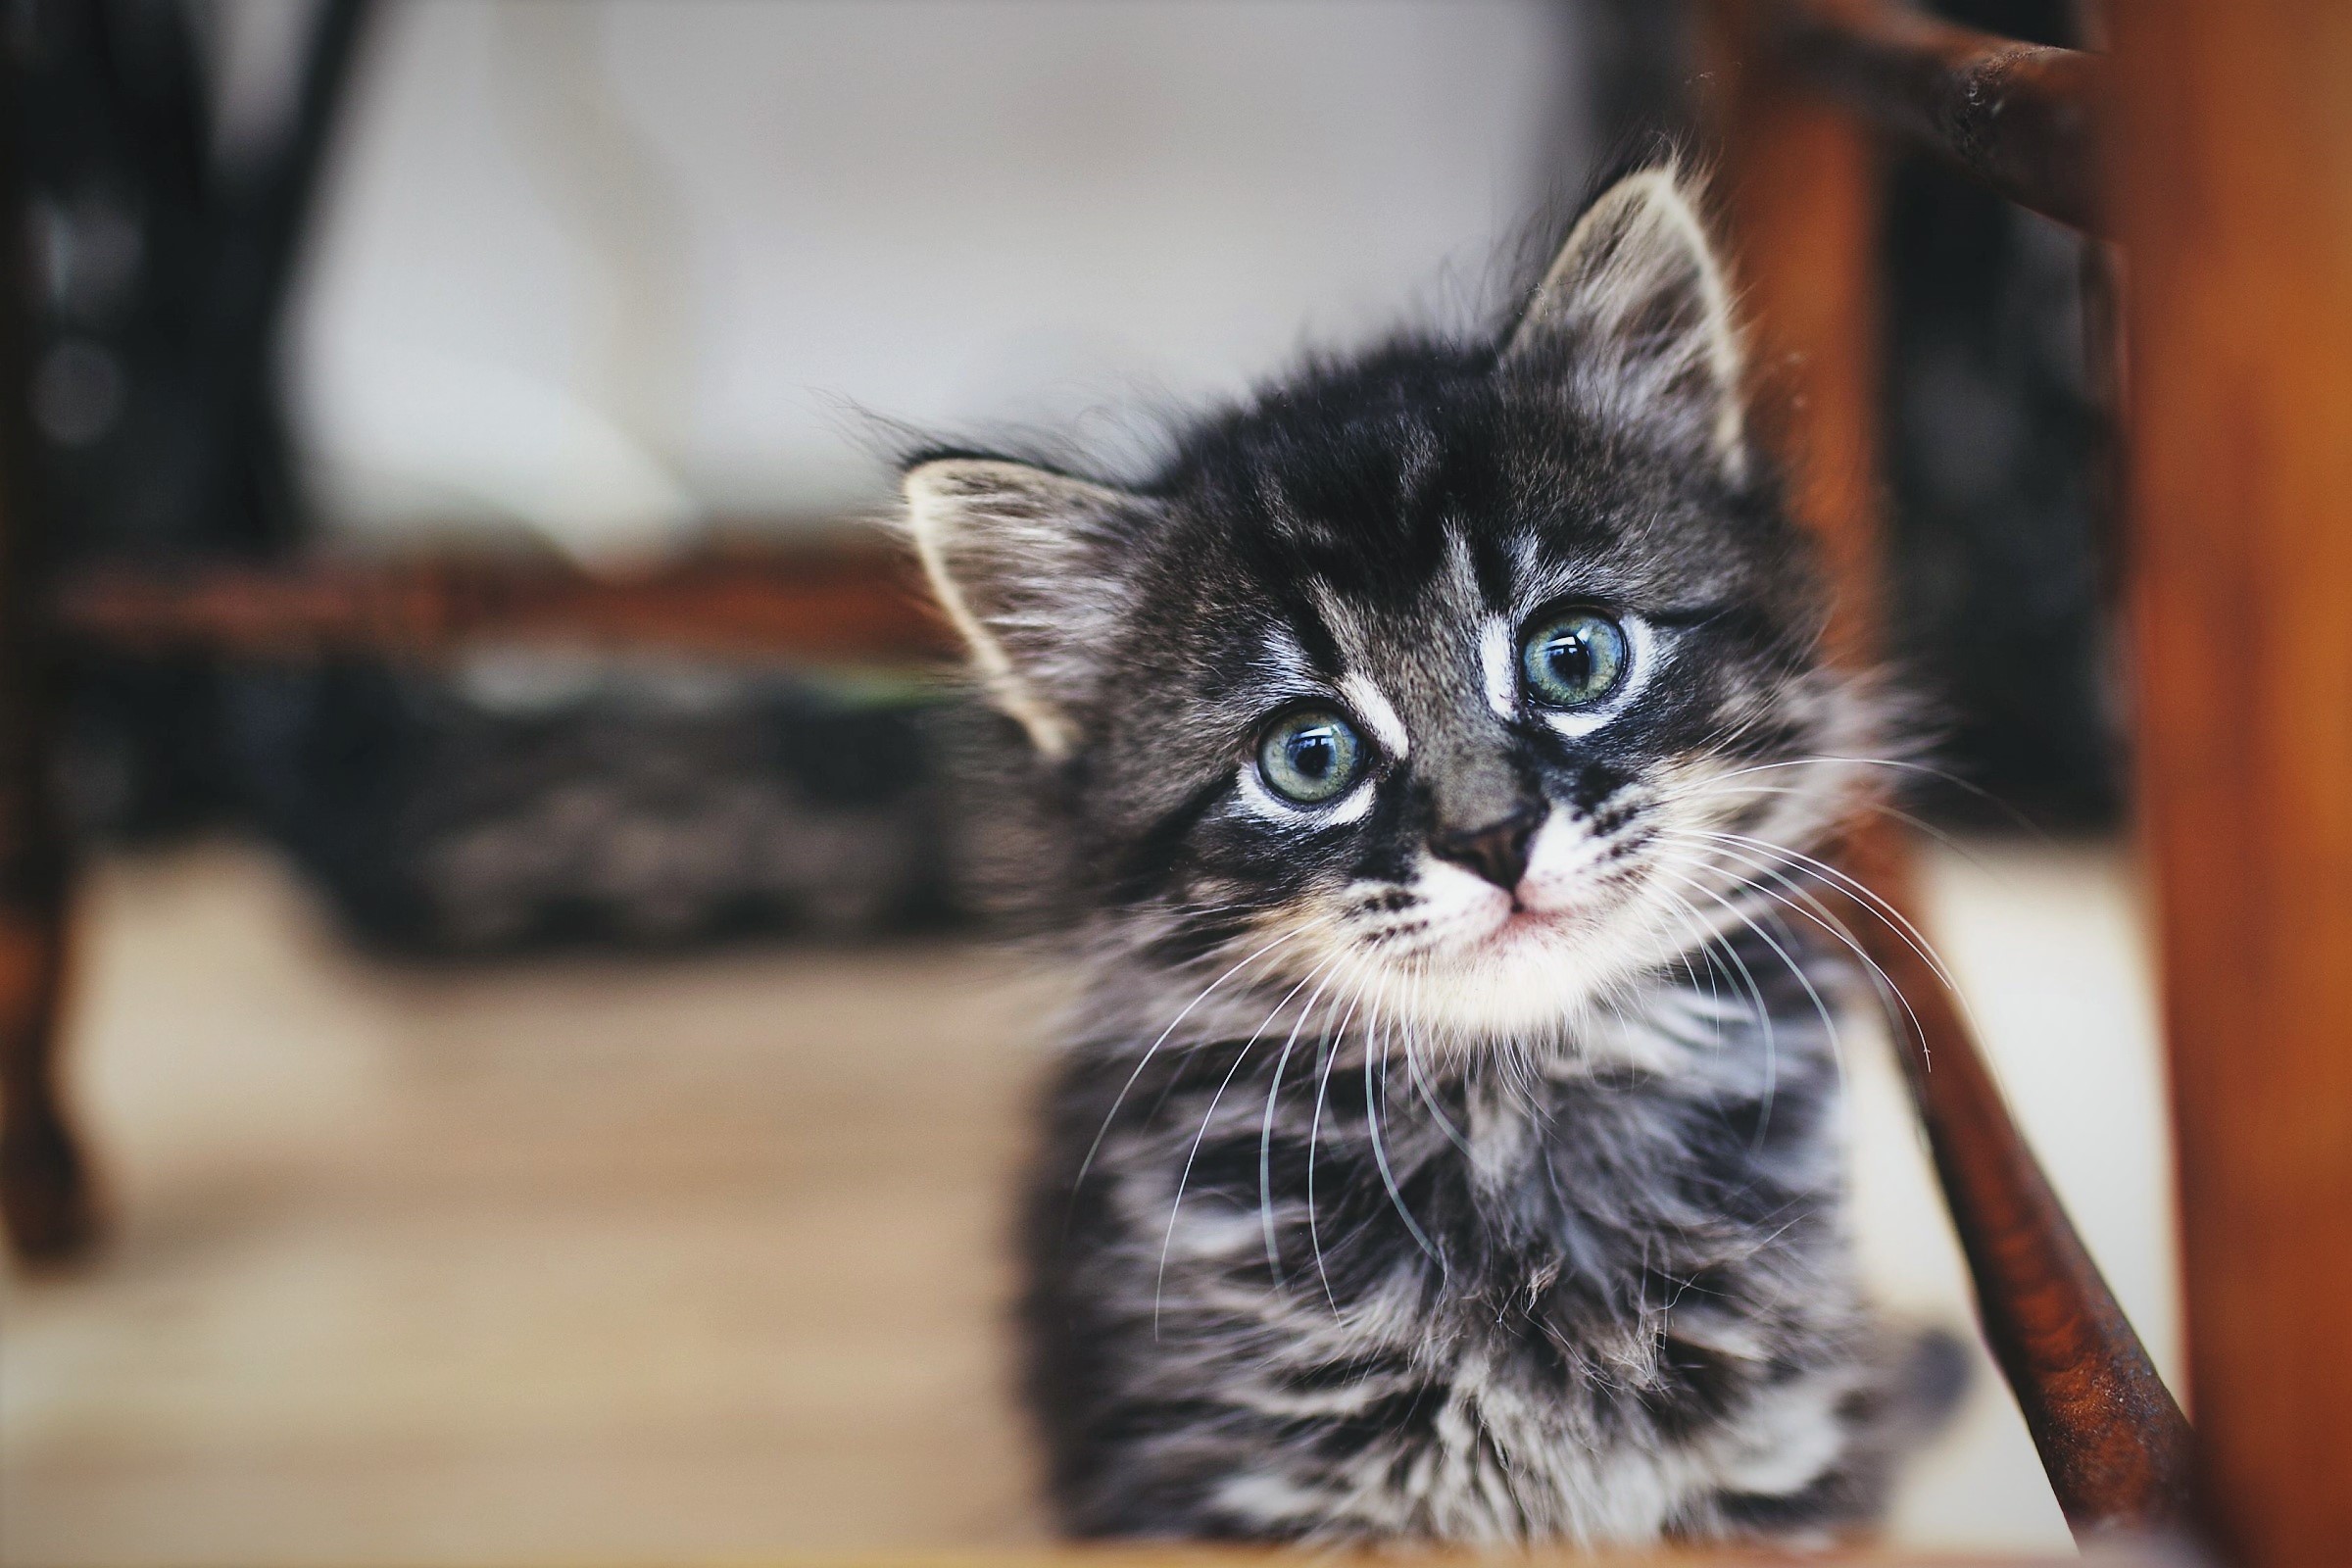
(1573, 659)
(1309, 756)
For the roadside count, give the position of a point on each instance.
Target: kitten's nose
(1497, 851)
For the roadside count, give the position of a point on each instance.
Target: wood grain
(2233, 195)
(1800, 192)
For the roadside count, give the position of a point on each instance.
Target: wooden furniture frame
(2214, 145)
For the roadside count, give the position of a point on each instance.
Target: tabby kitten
(1446, 1148)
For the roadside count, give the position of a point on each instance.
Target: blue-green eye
(1573, 659)
(1309, 756)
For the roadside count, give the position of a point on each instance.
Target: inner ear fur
(1638, 297)
(1021, 559)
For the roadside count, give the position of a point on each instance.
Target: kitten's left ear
(1638, 299)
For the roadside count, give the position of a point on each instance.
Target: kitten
(1447, 1145)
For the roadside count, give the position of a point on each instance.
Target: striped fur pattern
(1455, 1156)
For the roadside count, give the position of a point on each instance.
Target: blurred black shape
(1995, 453)
(161, 256)
(1998, 454)
(1995, 449)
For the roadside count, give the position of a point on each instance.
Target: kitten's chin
(1532, 976)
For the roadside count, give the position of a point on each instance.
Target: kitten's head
(1472, 673)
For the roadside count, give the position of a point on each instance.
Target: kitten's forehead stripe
(1497, 659)
(1377, 714)
(1304, 603)
(1284, 658)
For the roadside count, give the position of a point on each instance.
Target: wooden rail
(833, 600)
(2019, 117)
(2112, 1439)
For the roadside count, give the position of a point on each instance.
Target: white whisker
(1380, 1153)
(1108, 1117)
(1168, 1240)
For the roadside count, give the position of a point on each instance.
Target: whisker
(1763, 1014)
(1879, 907)
(1890, 994)
(1691, 920)
(1168, 1240)
(1314, 1237)
(1108, 1117)
(1941, 774)
(1878, 904)
(1910, 820)
(1265, 1139)
(1380, 1153)
(1420, 1083)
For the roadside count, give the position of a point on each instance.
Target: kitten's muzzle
(1496, 851)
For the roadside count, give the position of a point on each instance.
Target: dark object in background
(162, 257)
(1994, 454)
(1994, 451)
(1996, 458)
(541, 801)
(1997, 455)
(621, 805)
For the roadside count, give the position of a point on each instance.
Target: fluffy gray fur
(1454, 1156)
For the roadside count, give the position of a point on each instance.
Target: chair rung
(844, 603)
(2019, 119)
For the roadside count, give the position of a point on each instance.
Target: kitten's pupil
(1571, 660)
(1313, 755)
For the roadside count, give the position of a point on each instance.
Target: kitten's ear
(1638, 297)
(1024, 562)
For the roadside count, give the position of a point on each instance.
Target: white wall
(615, 265)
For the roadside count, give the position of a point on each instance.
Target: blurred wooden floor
(648, 1261)
(595, 1262)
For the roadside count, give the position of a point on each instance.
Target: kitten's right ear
(1023, 560)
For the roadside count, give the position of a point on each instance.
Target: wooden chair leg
(2234, 197)
(45, 1189)
(44, 1196)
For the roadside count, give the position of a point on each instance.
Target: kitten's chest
(1580, 1213)
(1374, 1195)
(1486, 1303)
(1514, 1204)
(1598, 1277)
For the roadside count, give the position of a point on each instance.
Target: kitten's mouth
(1527, 921)
(1522, 921)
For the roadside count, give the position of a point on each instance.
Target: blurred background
(559, 1102)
